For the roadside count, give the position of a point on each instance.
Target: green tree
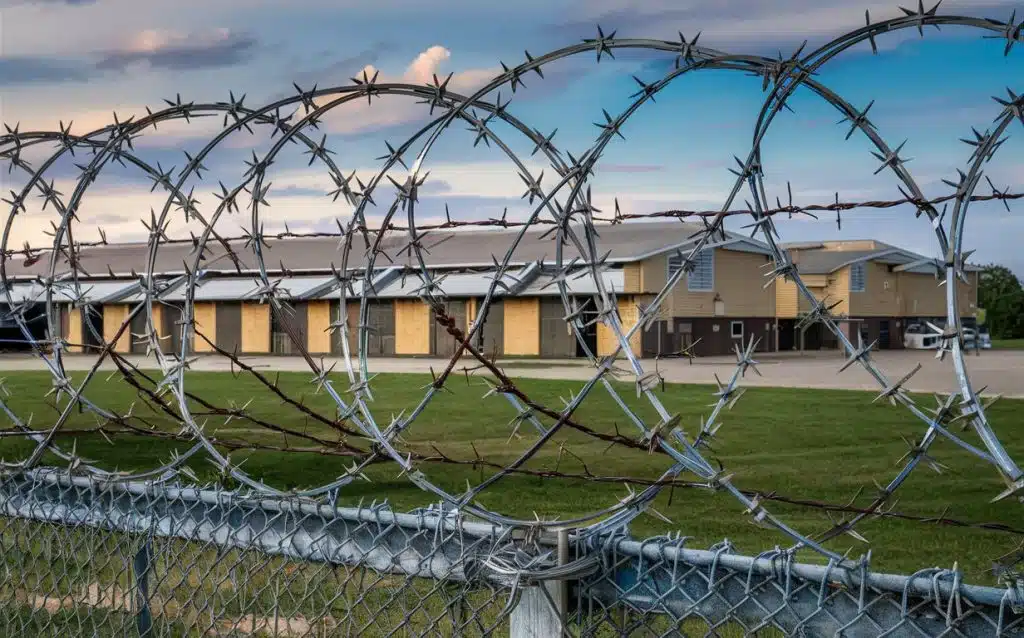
(1001, 295)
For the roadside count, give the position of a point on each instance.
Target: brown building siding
(879, 298)
(633, 278)
(888, 303)
(738, 286)
(787, 299)
(922, 295)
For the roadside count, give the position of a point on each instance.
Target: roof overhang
(740, 244)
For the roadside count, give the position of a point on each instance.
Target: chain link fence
(82, 557)
(89, 552)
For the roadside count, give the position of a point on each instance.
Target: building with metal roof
(448, 249)
(722, 302)
(877, 288)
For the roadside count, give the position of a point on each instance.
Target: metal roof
(823, 262)
(447, 249)
(580, 282)
(65, 292)
(817, 261)
(239, 288)
(331, 289)
(219, 289)
(453, 285)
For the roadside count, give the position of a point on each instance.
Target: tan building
(721, 303)
(879, 290)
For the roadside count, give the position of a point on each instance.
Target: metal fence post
(142, 564)
(534, 617)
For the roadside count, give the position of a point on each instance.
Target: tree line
(1001, 296)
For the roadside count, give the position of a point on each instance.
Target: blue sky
(928, 91)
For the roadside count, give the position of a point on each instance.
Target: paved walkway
(1001, 370)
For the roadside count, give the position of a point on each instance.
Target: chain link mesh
(86, 558)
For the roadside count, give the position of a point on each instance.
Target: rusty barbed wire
(566, 207)
(33, 254)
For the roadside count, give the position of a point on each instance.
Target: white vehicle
(986, 339)
(919, 337)
(923, 337)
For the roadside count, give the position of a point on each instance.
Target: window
(702, 278)
(858, 276)
(736, 329)
(675, 262)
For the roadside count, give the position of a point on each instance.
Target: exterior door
(229, 326)
(556, 338)
(290, 326)
(381, 337)
(442, 343)
(171, 341)
(351, 327)
(883, 334)
(92, 328)
(491, 338)
(138, 340)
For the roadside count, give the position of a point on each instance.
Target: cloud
(435, 187)
(298, 191)
(156, 50)
(359, 116)
(71, 3)
(107, 219)
(338, 71)
(169, 135)
(630, 168)
(41, 70)
(170, 51)
(745, 25)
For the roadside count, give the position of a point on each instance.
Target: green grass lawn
(1008, 344)
(821, 445)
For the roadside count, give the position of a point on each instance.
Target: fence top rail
(927, 583)
(429, 519)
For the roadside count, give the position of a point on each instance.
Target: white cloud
(360, 115)
(153, 40)
(353, 117)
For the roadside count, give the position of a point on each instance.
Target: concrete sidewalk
(1002, 371)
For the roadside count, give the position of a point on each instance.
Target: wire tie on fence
(954, 594)
(1015, 595)
(751, 568)
(718, 549)
(905, 598)
(957, 581)
(789, 594)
